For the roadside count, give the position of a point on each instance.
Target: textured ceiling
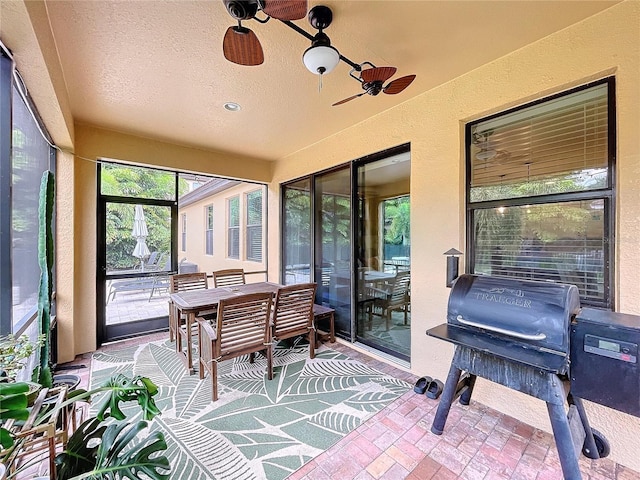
(156, 68)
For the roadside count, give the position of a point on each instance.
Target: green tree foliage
(336, 219)
(120, 180)
(505, 229)
(397, 221)
(297, 225)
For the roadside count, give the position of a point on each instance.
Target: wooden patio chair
(183, 282)
(293, 313)
(242, 327)
(228, 278)
(396, 297)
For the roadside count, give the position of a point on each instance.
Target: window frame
(208, 229)
(607, 194)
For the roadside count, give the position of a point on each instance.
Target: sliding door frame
(357, 227)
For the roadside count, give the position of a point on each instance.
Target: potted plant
(105, 446)
(14, 351)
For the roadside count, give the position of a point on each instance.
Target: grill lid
(532, 313)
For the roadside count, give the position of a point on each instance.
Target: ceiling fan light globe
(321, 59)
(484, 155)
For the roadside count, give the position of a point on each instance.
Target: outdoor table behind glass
(192, 302)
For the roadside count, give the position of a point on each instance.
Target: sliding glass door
(296, 232)
(316, 247)
(383, 243)
(348, 230)
(332, 218)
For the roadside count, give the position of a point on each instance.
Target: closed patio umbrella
(140, 233)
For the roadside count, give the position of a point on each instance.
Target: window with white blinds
(254, 226)
(183, 232)
(208, 233)
(233, 229)
(540, 196)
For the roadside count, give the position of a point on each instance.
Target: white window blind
(254, 226)
(209, 231)
(554, 147)
(184, 232)
(233, 220)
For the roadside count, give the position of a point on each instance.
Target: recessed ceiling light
(232, 106)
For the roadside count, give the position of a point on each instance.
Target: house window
(233, 222)
(183, 222)
(254, 226)
(539, 191)
(208, 234)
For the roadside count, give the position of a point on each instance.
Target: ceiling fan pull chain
(319, 83)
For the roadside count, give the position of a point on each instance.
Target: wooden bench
(320, 312)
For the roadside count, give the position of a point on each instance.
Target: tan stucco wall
(65, 264)
(196, 224)
(606, 44)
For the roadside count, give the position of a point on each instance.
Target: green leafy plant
(13, 352)
(100, 451)
(106, 446)
(13, 404)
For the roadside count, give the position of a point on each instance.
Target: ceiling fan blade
(348, 99)
(398, 85)
(241, 46)
(380, 74)
(285, 9)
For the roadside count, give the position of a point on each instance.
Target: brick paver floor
(478, 443)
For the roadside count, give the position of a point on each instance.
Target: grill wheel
(602, 444)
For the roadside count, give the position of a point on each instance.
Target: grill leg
(590, 449)
(564, 442)
(446, 399)
(465, 397)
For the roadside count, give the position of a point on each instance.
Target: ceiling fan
(373, 78)
(487, 150)
(482, 141)
(240, 44)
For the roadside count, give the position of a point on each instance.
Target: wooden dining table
(193, 302)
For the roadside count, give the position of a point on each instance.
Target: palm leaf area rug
(258, 429)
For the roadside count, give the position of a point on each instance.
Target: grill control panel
(604, 359)
(611, 348)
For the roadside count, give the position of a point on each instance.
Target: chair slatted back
(399, 289)
(229, 277)
(293, 310)
(183, 282)
(243, 324)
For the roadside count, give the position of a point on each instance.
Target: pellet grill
(535, 338)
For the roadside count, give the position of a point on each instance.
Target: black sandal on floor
(434, 388)
(421, 385)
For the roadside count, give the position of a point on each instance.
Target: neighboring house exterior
(221, 224)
